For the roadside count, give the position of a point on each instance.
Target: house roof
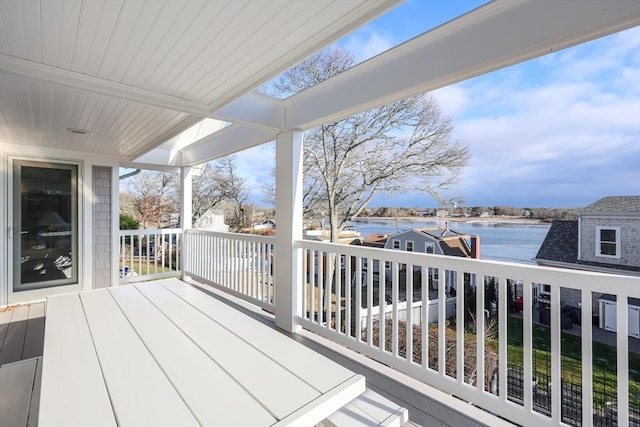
(137, 75)
(616, 205)
(560, 248)
(560, 243)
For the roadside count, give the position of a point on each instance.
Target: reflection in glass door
(45, 225)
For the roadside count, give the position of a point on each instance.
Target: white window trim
(428, 245)
(394, 242)
(598, 241)
(406, 245)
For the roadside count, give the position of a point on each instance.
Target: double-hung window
(608, 242)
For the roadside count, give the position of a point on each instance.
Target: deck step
(20, 392)
(368, 409)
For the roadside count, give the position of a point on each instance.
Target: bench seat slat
(71, 360)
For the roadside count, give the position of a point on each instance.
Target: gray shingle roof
(561, 242)
(614, 204)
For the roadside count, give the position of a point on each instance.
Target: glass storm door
(45, 225)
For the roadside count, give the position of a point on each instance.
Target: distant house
(212, 220)
(268, 224)
(605, 238)
(438, 241)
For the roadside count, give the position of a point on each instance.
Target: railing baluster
(480, 327)
(460, 305)
(409, 313)
(358, 304)
(382, 321)
(425, 317)
(394, 313)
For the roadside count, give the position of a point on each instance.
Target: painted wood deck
(22, 337)
(21, 332)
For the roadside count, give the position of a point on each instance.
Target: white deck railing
(340, 307)
(240, 264)
(348, 289)
(149, 254)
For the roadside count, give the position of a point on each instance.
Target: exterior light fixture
(78, 131)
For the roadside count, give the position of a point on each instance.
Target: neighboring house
(212, 220)
(437, 241)
(268, 224)
(605, 238)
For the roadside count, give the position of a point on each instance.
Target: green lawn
(604, 358)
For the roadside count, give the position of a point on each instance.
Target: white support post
(288, 260)
(186, 210)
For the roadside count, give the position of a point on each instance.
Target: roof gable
(616, 205)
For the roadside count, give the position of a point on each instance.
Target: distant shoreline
(470, 220)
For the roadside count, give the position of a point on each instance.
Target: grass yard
(604, 358)
(141, 269)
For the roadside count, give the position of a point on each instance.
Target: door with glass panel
(45, 225)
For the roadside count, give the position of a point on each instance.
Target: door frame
(40, 294)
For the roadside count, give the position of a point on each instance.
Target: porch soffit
(142, 72)
(136, 87)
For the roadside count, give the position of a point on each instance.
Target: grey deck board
(14, 339)
(16, 390)
(21, 332)
(34, 338)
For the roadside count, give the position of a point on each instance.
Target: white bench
(368, 409)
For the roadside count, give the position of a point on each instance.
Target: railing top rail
(237, 236)
(570, 278)
(147, 231)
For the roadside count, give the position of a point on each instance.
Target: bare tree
(399, 147)
(236, 192)
(154, 197)
(210, 188)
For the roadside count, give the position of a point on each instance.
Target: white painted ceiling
(136, 73)
(142, 75)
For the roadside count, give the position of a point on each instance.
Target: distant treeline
(475, 211)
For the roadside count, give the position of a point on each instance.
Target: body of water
(498, 241)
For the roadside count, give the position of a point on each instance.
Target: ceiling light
(78, 131)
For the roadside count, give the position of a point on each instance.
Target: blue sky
(558, 131)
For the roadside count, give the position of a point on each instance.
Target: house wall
(629, 239)
(419, 241)
(102, 226)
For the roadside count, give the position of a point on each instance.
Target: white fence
(240, 264)
(344, 301)
(149, 254)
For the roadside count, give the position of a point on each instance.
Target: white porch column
(288, 261)
(186, 209)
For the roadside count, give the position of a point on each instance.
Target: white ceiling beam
(227, 141)
(252, 109)
(494, 36)
(46, 73)
(256, 110)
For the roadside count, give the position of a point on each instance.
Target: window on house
(428, 248)
(608, 241)
(396, 244)
(409, 246)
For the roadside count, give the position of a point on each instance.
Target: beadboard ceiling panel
(135, 73)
